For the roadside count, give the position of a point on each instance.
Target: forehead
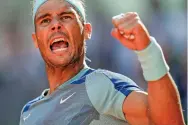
(54, 6)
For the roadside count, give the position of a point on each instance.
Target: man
(79, 95)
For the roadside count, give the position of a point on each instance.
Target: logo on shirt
(26, 117)
(64, 100)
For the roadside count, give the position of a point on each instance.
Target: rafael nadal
(80, 95)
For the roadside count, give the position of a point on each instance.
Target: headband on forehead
(75, 3)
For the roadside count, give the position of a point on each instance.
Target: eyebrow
(66, 12)
(47, 14)
(42, 16)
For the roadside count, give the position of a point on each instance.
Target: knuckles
(127, 21)
(135, 14)
(131, 16)
(127, 17)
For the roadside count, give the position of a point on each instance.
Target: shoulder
(30, 103)
(107, 91)
(106, 77)
(109, 75)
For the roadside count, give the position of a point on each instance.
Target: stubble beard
(76, 59)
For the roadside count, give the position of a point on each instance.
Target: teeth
(57, 40)
(61, 49)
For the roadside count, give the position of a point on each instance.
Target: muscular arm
(164, 102)
(161, 106)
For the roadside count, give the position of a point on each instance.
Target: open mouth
(59, 45)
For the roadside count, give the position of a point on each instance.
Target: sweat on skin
(58, 22)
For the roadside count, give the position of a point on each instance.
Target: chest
(68, 106)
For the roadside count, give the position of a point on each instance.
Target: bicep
(135, 108)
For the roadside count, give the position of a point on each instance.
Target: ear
(34, 37)
(87, 31)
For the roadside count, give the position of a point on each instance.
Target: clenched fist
(130, 31)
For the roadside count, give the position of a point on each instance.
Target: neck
(58, 76)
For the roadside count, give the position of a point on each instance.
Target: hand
(130, 31)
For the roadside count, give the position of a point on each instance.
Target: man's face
(59, 33)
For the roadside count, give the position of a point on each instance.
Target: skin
(140, 108)
(161, 105)
(63, 66)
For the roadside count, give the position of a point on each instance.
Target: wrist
(152, 61)
(145, 43)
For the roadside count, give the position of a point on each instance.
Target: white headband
(76, 4)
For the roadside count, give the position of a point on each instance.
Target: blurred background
(22, 71)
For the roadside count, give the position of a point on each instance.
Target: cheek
(76, 28)
(42, 39)
(78, 40)
(77, 34)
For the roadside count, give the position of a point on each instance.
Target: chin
(60, 62)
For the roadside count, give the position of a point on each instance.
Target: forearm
(163, 98)
(164, 102)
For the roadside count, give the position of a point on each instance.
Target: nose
(56, 26)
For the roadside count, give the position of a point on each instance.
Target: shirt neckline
(46, 94)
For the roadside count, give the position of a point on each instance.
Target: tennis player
(79, 95)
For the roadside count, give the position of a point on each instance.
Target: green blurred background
(22, 71)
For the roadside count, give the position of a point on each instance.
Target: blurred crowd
(22, 71)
